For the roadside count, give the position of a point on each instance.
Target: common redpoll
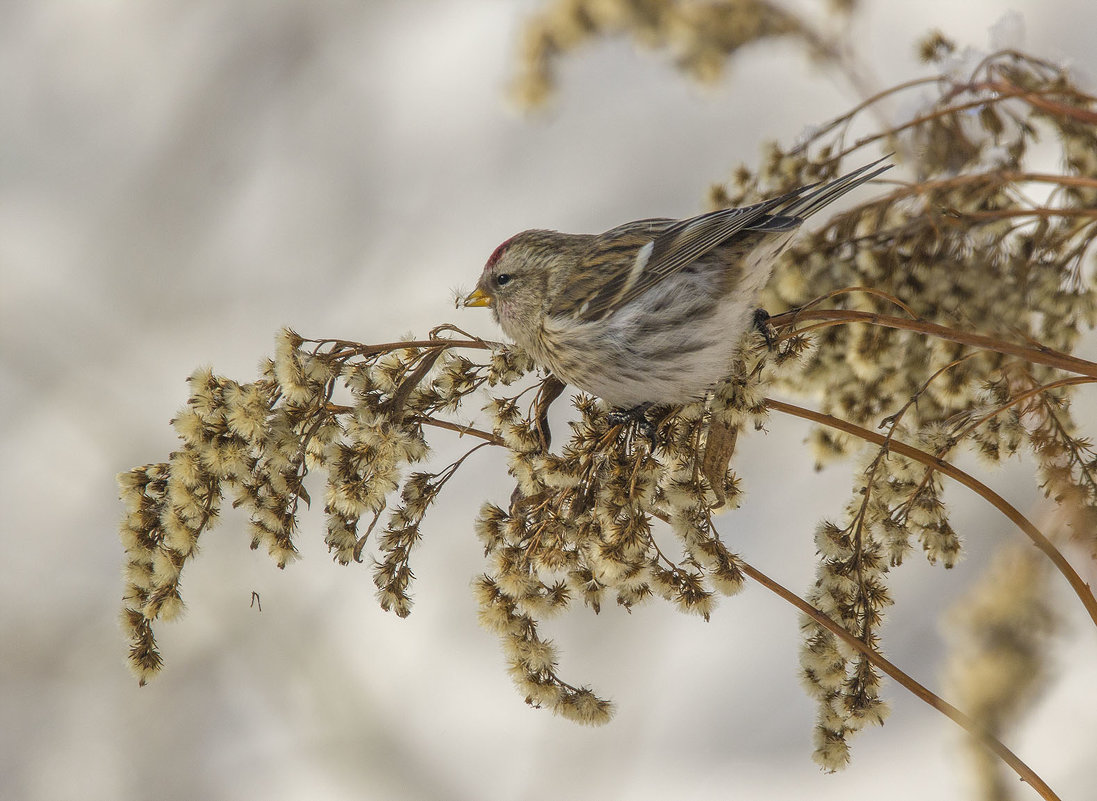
(652, 311)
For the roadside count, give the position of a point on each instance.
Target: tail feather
(806, 205)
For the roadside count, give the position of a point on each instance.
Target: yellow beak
(478, 298)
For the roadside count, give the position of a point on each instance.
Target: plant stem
(1035, 354)
(991, 742)
(1077, 583)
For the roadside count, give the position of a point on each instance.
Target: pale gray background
(180, 179)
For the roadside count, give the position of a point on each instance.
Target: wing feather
(619, 266)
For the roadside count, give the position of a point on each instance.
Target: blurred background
(180, 179)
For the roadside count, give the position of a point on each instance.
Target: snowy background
(180, 179)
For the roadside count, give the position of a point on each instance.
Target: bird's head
(516, 282)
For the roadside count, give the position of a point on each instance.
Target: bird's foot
(636, 416)
(762, 326)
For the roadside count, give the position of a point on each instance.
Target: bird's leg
(761, 325)
(550, 390)
(636, 415)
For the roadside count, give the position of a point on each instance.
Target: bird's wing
(627, 261)
(603, 273)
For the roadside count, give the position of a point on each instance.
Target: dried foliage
(701, 35)
(944, 310)
(1000, 634)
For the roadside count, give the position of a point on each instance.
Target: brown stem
(1001, 176)
(1040, 100)
(410, 382)
(1004, 214)
(357, 349)
(1037, 355)
(1004, 91)
(335, 408)
(837, 121)
(460, 429)
(1077, 583)
(913, 123)
(991, 742)
(1063, 382)
(992, 62)
(548, 391)
(867, 290)
(1050, 178)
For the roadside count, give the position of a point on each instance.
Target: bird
(651, 312)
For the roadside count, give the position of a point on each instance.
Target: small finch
(652, 311)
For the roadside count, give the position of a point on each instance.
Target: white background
(180, 179)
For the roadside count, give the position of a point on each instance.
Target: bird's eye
(503, 279)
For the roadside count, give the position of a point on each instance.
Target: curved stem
(1004, 90)
(487, 436)
(1005, 214)
(867, 290)
(1001, 176)
(1042, 101)
(1024, 396)
(915, 122)
(1037, 355)
(1077, 583)
(849, 115)
(991, 742)
(334, 408)
(348, 349)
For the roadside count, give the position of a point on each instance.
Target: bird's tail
(808, 204)
(790, 214)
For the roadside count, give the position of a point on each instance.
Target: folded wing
(629, 260)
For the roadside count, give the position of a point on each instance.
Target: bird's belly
(628, 360)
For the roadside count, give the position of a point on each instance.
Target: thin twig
(1077, 583)
(849, 115)
(867, 290)
(334, 408)
(1004, 214)
(1026, 773)
(460, 429)
(1040, 100)
(1063, 382)
(1037, 355)
(1004, 91)
(357, 349)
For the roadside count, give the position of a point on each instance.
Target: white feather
(638, 265)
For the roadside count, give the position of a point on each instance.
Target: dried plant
(998, 666)
(702, 36)
(943, 311)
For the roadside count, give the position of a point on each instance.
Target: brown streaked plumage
(651, 311)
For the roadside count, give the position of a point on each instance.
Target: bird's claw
(761, 325)
(636, 416)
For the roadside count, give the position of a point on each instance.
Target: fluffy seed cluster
(971, 266)
(581, 523)
(999, 660)
(701, 36)
(255, 443)
(612, 516)
(965, 247)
